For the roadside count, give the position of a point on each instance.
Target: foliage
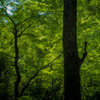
(37, 42)
(41, 42)
(88, 30)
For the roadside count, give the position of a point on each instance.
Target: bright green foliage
(41, 42)
(88, 28)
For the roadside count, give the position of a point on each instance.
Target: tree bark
(71, 62)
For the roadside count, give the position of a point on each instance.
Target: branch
(26, 19)
(23, 22)
(8, 15)
(24, 88)
(21, 27)
(24, 29)
(84, 55)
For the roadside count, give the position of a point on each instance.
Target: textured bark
(71, 64)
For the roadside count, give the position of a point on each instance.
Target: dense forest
(32, 59)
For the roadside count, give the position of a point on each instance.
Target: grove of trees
(33, 35)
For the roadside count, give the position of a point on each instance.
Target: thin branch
(24, 88)
(24, 29)
(26, 19)
(23, 22)
(10, 18)
(21, 27)
(83, 57)
(85, 53)
(8, 15)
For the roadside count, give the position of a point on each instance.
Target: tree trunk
(16, 67)
(71, 66)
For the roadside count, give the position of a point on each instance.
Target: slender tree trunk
(71, 66)
(16, 67)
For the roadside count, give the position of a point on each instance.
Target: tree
(72, 62)
(18, 27)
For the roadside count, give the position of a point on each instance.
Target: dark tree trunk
(16, 67)
(71, 66)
